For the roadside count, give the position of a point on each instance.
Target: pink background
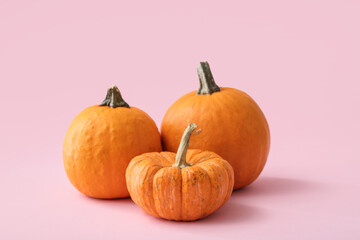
(300, 60)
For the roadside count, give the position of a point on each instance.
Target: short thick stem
(207, 83)
(180, 160)
(114, 99)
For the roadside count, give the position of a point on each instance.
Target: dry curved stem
(180, 160)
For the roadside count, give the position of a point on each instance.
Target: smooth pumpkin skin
(232, 124)
(182, 194)
(99, 145)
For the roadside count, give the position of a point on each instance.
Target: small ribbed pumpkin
(185, 186)
(100, 143)
(243, 138)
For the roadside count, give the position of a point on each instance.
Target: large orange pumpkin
(100, 143)
(185, 186)
(233, 126)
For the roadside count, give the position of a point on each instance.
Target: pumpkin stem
(207, 83)
(180, 160)
(114, 99)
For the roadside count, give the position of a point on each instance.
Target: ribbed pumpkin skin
(232, 124)
(185, 194)
(99, 145)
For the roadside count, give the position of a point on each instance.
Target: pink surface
(298, 59)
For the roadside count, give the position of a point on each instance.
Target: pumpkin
(100, 143)
(243, 138)
(185, 186)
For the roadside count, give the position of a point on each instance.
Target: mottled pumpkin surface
(232, 124)
(174, 193)
(99, 145)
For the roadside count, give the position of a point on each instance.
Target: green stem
(114, 99)
(207, 83)
(180, 160)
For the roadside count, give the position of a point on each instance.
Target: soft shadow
(116, 201)
(274, 186)
(234, 212)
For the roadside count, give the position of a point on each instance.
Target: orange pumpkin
(243, 138)
(185, 186)
(100, 143)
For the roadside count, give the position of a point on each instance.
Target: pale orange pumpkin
(185, 186)
(233, 126)
(100, 143)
